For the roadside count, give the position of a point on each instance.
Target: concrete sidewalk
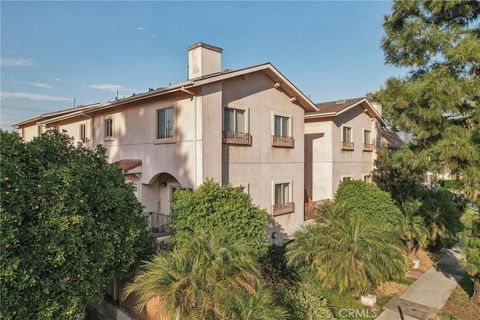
(426, 296)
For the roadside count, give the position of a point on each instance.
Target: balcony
(283, 208)
(283, 142)
(158, 223)
(369, 147)
(237, 138)
(347, 146)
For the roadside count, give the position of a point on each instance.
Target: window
(109, 128)
(55, 127)
(242, 186)
(347, 134)
(234, 120)
(165, 123)
(281, 126)
(367, 137)
(83, 135)
(282, 193)
(39, 129)
(367, 178)
(346, 178)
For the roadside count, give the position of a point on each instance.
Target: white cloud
(154, 35)
(16, 62)
(57, 79)
(141, 29)
(107, 86)
(36, 84)
(30, 96)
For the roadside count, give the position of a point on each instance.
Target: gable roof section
(283, 84)
(335, 108)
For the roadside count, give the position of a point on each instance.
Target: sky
(53, 52)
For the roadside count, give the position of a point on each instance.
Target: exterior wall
(260, 165)
(318, 159)
(72, 128)
(29, 132)
(358, 162)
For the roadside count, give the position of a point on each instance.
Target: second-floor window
(367, 137)
(234, 120)
(281, 126)
(83, 133)
(165, 123)
(109, 128)
(347, 134)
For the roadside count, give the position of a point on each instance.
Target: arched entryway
(156, 197)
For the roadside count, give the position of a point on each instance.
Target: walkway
(426, 296)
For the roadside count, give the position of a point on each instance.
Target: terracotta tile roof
(129, 164)
(336, 106)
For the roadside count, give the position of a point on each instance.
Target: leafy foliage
(305, 304)
(347, 252)
(412, 227)
(471, 240)
(439, 100)
(213, 276)
(367, 201)
(69, 225)
(217, 208)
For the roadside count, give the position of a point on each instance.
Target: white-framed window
(347, 134)
(282, 125)
(108, 128)
(235, 120)
(367, 177)
(367, 136)
(165, 124)
(282, 193)
(83, 132)
(346, 178)
(55, 127)
(39, 129)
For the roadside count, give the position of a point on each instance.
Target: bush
(303, 303)
(219, 209)
(69, 224)
(367, 201)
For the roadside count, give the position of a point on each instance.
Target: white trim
(341, 133)
(365, 175)
(281, 114)
(290, 189)
(105, 118)
(174, 115)
(345, 176)
(246, 118)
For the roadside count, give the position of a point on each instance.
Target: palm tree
(200, 280)
(412, 227)
(346, 252)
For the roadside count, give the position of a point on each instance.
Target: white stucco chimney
(203, 60)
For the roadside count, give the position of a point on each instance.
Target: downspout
(195, 135)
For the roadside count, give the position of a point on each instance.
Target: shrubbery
(367, 201)
(69, 224)
(219, 208)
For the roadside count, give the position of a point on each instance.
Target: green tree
(471, 240)
(413, 231)
(367, 201)
(69, 224)
(439, 100)
(347, 252)
(212, 207)
(213, 276)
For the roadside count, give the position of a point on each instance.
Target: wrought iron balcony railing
(348, 146)
(238, 138)
(283, 142)
(283, 208)
(158, 222)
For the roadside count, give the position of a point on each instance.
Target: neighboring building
(341, 141)
(243, 127)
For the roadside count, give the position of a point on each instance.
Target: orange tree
(69, 224)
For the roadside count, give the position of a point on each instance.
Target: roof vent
(340, 101)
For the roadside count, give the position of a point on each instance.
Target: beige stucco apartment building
(250, 127)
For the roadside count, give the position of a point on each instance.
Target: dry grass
(391, 288)
(459, 305)
(426, 260)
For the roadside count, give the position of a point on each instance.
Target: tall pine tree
(439, 99)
